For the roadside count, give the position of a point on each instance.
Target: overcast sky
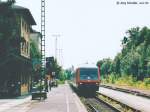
(90, 29)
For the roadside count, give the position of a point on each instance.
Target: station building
(15, 62)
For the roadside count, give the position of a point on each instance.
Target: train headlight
(80, 83)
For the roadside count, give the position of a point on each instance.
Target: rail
(92, 108)
(115, 104)
(105, 102)
(133, 92)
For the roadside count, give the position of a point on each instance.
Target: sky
(89, 30)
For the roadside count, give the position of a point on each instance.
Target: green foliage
(39, 85)
(54, 67)
(106, 66)
(58, 70)
(134, 59)
(9, 39)
(68, 74)
(147, 81)
(127, 81)
(62, 76)
(61, 81)
(112, 78)
(34, 51)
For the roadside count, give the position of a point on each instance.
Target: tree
(34, 51)
(134, 57)
(116, 64)
(9, 34)
(105, 66)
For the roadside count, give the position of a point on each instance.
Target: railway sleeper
(92, 108)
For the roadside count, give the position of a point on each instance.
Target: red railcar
(87, 78)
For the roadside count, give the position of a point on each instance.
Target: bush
(111, 78)
(125, 80)
(39, 86)
(147, 81)
(61, 82)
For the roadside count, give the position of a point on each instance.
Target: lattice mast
(43, 60)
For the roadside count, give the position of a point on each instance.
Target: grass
(61, 81)
(127, 81)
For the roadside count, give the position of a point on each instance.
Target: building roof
(25, 13)
(19, 9)
(34, 31)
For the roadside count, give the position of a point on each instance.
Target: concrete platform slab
(137, 102)
(61, 99)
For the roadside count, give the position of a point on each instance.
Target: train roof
(87, 66)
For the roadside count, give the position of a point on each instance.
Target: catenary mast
(43, 60)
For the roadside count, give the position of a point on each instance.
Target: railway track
(137, 93)
(95, 104)
(91, 108)
(102, 103)
(119, 106)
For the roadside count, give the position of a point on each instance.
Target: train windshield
(89, 74)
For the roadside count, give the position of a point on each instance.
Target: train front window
(88, 74)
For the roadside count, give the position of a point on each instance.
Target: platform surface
(60, 99)
(137, 102)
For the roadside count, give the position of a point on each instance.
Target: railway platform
(137, 102)
(8, 104)
(129, 89)
(60, 99)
